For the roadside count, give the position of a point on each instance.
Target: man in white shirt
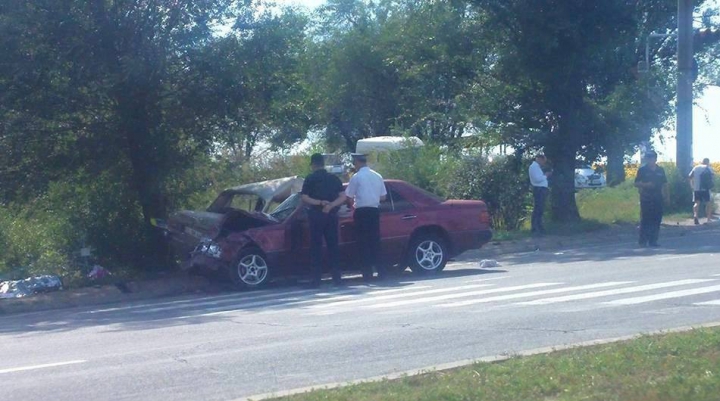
(701, 178)
(539, 182)
(367, 188)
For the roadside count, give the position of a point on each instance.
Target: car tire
(428, 254)
(250, 269)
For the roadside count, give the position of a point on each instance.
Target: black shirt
(322, 185)
(657, 178)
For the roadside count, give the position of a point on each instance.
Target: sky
(706, 116)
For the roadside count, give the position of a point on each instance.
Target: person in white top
(367, 188)
(701, 178)
(539, 182)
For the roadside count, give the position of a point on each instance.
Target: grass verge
(615, 205)
(684, 366)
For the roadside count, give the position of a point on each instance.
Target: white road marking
(533, 294)
(285, 302)
(487, 279)
(403, 295)
(270, 299)
(235, 296)
(665, 295)
(619, 291)
(459, 295)
(715, 302)
(679, 257)
(344, 297)
(716, 275)
(47, 365)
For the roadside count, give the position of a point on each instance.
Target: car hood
(196, 223)
(272, 190)
(202, 225)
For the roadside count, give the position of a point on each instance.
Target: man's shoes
(697, 222)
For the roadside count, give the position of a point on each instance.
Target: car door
(349, 252)
(397, 223)
(297, 243)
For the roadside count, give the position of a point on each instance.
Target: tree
(250, 84)
(90, 88)
(566, 65)
(440, 52)
(356, 89)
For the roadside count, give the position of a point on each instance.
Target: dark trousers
(539, 198)
(650, 218)
(367, 233)
(324, 225)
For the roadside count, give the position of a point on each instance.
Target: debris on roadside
(29, 286)
(98, 272)
(487, 263)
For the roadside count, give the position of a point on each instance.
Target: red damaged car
(259, 231)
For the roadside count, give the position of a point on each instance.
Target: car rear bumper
(466, 240)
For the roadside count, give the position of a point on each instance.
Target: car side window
(386, 205)
(399, 203)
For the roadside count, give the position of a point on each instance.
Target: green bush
(679, 190)
(34, 240)
(501, 183)
(429, 167)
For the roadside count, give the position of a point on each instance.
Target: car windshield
(285, 209)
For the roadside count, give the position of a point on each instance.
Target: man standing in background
(323, 193)
(701, 179)
(651, 181)
(367, 188)
(539, 182)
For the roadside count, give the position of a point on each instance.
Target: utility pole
(684, 134)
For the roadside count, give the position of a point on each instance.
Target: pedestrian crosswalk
(440, 294)
(619, 291)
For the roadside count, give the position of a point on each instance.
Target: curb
(467, 362)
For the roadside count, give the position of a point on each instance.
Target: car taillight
(485, 217)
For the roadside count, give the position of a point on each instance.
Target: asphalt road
(235, 345)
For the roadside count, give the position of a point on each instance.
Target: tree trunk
(146, 174)
(562, 185)
(615, 165)
(562, 152)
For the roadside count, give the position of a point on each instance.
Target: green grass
(674, 367)
(616, 205)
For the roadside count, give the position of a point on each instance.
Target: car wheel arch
(429, 230)
(240, 241)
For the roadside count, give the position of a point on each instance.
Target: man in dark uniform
(651, 182)
(323, 193)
